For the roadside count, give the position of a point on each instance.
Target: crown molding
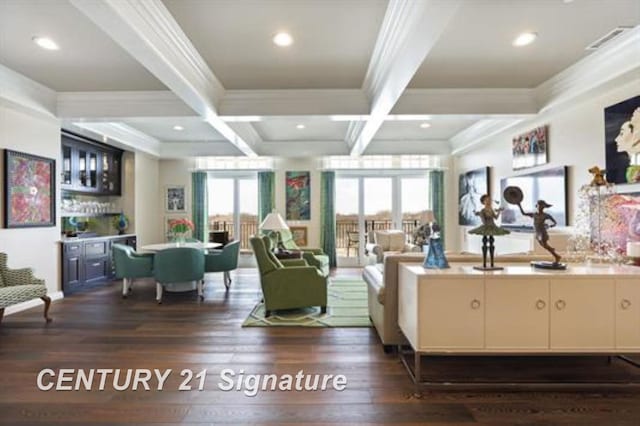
(94, 105)
(294, 102)
(127, 136)
(409, 30)
(147, 31)
(31, 96)
(466, 101)
(481, 131)
(614, 59)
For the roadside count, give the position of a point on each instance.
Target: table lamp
(633, 252)
(274, 223)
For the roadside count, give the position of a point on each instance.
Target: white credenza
(520, 310)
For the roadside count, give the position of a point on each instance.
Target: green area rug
(347, 307)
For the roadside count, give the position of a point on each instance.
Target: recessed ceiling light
(567, 1)
(525, 39)
(178, 127)
(283, 39)
(45, 43)
(425, 125)
(300, 126)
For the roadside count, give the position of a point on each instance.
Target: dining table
(164, 246)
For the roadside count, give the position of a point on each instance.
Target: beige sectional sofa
(382, 284)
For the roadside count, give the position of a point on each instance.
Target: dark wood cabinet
(86, 264)
(90, 167)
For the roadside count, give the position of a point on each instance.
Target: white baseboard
(32, 303)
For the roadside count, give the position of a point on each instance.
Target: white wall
(576, 139)
(148, 195)
(38, 248)
(173, 172)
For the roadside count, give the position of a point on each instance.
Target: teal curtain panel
(266, 194)
(328, 213)
(436, 183)
(199, 205)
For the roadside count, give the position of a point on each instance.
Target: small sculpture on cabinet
(514, 195)
(488, 230)
(435, 256)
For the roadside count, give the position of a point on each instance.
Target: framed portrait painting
(29, 190)
(299, 235)
(471, 186)
(175, 199)
(298, 195)
(622, 141)
(530, 149)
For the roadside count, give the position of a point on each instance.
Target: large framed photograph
(175, 199)
(530, 149)
(299, 235)
(30, 190)
(622, 141)
(471, 186)
(298, 195)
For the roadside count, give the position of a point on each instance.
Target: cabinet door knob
(625, 304)
(561, 304)
(475, 304)
(541, 304)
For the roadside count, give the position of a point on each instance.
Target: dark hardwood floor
(99, 329)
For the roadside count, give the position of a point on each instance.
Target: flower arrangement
(181, 226)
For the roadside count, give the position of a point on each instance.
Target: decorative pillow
(383, 240)
(396, 241)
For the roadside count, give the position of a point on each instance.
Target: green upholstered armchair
(131, 265)
(178, 265)
(19, 285)
(288, 287)
(313, 256)
(224, 260)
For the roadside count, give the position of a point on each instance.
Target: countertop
(66, 240)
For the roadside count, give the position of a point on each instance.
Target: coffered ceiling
(361, 76)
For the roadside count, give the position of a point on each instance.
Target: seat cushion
(373, 276)
(20, 293)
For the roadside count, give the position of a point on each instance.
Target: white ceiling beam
(113, 105)
(480, 131)
(151, 35)
(618, 58)
(16, 89)
(126, 136)
(409, 31)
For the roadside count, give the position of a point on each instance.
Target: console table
(519, 311)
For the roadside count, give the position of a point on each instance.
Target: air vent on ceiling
(616, 32)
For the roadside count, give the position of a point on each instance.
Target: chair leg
(227, 279)
(201, 289)
(125, 287)
(47, 303)
(1, 314)
(159, 292)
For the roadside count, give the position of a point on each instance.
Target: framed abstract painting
(299, 234)
(30, 190)
(298, 195)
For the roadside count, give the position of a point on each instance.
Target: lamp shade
(427, 216)
(273, 222)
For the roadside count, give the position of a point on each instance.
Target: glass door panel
(414, 202)
(378, 204)
(248, 211)
(347, 224)
(221, 205)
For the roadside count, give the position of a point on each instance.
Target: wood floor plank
(99, 329)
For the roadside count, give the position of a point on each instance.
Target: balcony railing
(343, 229)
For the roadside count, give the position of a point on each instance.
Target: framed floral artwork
(29, 190)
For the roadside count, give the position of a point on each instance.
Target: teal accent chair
(288, 287)
(314, 256)
(224, 260)
(130, 265)
(19, 285)
(178, 265)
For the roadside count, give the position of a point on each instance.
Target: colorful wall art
(298, 195)
(530, 149)
(616, 220)
(622, 141)
(29, 190)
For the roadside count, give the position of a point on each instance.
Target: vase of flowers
(180, 228)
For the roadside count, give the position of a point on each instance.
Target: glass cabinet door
(66, 165)
(82, 169)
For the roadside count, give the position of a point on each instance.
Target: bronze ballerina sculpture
(488, 230)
